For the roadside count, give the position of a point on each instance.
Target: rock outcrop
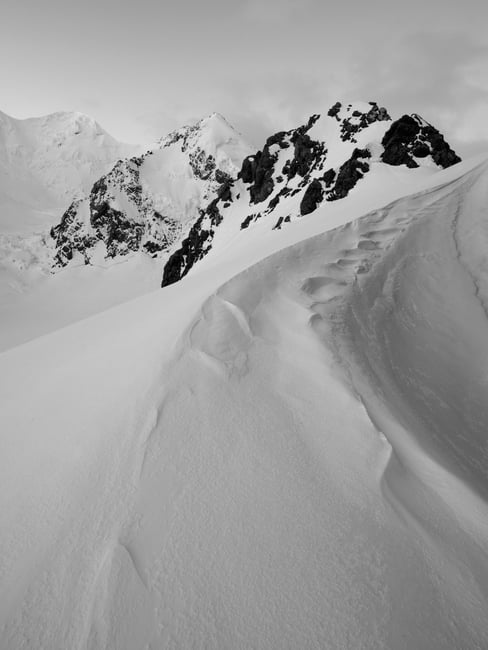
(298, 170)
(411, 138)
(149, 203)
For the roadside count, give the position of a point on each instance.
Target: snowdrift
(280, 451)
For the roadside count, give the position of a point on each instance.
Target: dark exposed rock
(278, 138)
(313, 197)
(110, 225)
(224, 193)
(199, 240)
(405, 142)
(153, 247)
(259, 170)
(307, 154)
(203, 166)
(222, 177)
(191, 250)
(420, 150)
(358, 121)
(410, 136)
(247, 169)
(398, 141)
(102, 217)
(349, 174)
(247, 221)
(442, 153)
(70, 236)
(263, 176)
(274, 202)
(329, 177)
(334, 110)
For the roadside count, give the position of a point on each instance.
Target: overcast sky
(144, 67)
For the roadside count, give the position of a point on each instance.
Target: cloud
(275, 11)
(257, 106)
(439, 75)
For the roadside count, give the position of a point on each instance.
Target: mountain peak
(144, 202)
(320, 161)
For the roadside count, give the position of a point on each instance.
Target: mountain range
(284, 446)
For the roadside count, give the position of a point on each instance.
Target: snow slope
(283, 450)
(148, 203)
(45, 162)
(143, 203)
(330, 158)
(33, 303)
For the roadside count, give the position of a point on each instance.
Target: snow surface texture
(289, 452)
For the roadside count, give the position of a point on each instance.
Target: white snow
(45, 162)
(284, 450)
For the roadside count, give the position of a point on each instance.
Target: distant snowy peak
(148, 202)
(214, 138)
(66, 151)
(47, 161)
(298, 170)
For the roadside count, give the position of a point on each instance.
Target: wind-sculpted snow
(418, 324)
(290, 456)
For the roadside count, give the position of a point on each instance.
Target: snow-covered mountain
(323, 160)
(198, 190)
(46, 162)
(285, 449)
(145, 203)
(176, 196)
(285, 446)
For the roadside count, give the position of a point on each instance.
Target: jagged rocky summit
(298, 170)
(172, 200)
(147, 202)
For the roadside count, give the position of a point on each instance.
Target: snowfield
(286, 449)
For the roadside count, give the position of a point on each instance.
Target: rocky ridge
(145, 202)
(322, 160)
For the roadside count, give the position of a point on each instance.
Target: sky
(145, 67)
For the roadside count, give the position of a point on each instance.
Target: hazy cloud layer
(145, 68)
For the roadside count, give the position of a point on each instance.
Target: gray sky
(144, 67)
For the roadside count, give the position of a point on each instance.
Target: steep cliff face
(299, 170)
(146, 202)
(198, 242)
(118, 217)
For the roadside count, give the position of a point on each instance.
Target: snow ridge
(298, 170)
